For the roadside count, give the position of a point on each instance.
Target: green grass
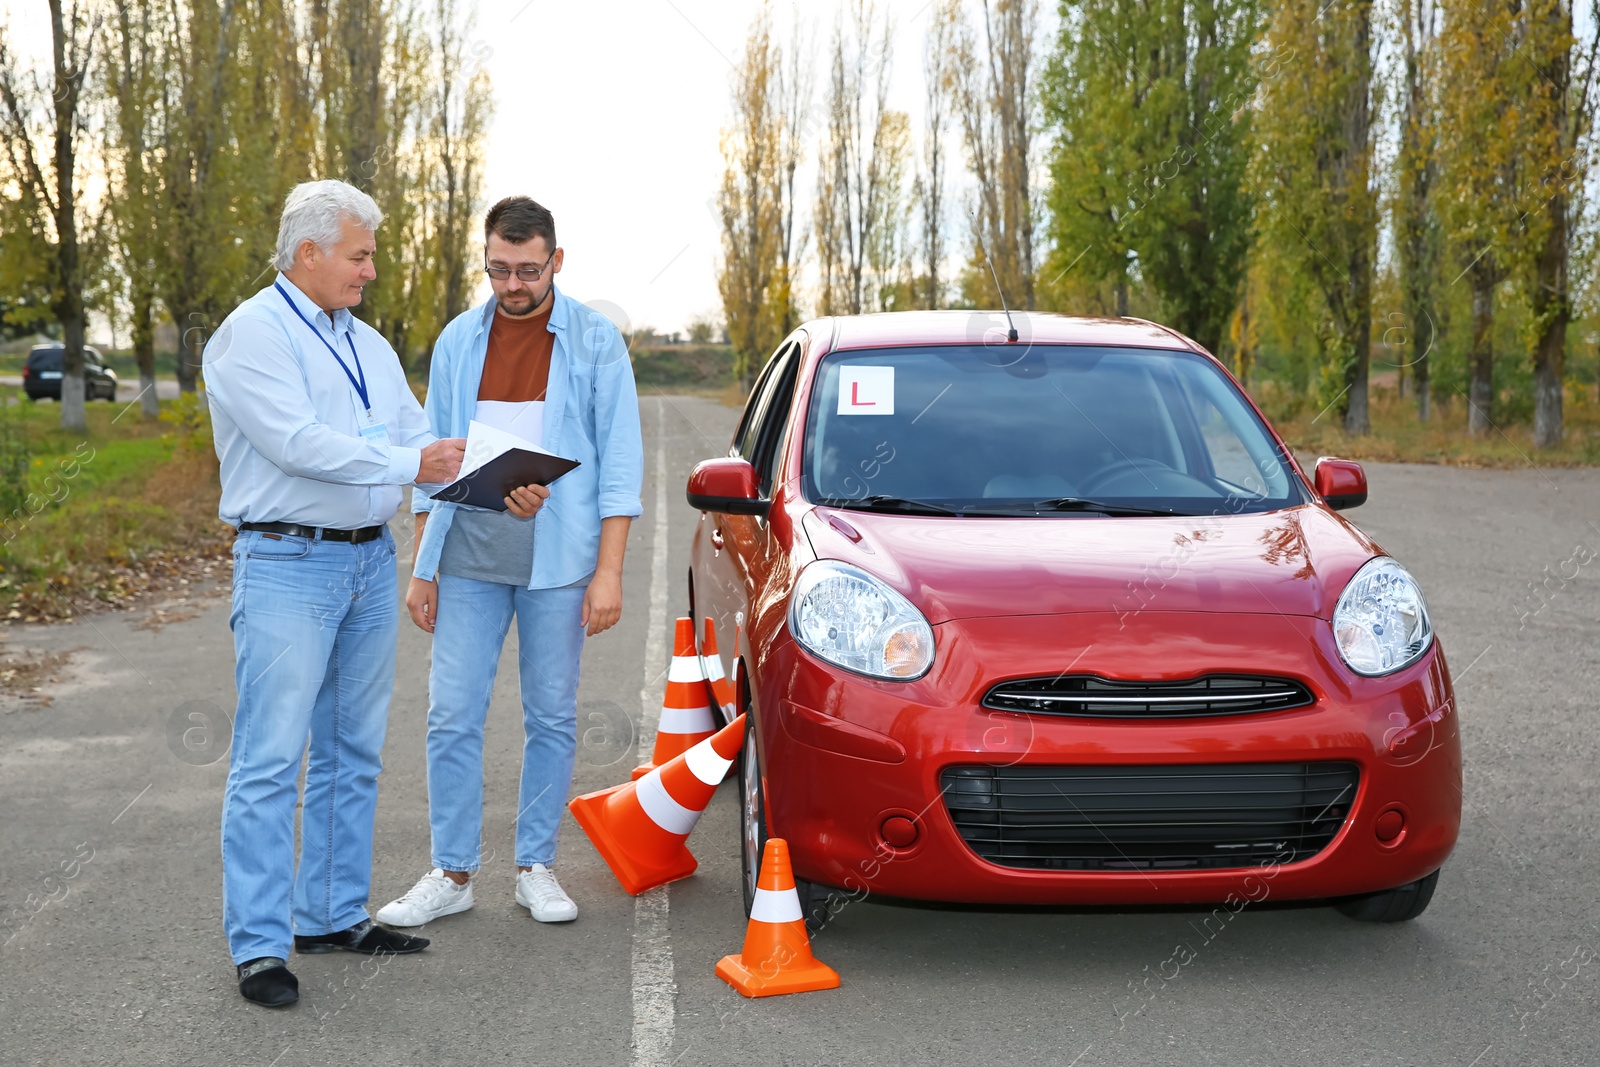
(107, 514)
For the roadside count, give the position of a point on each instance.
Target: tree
(50, 200)
(750, 204)
(1493, 153)
(1150, 105)
(995, 89)
(1418, 232)
(459, 125)
(133, 73)
(928, 186)
(1314, 169)
(206, 193)
(794, 108)
(1560, 119)
(860, 216)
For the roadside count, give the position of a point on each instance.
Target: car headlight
(851, 619)
(1380, 622)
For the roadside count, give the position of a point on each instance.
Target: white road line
(653, 985)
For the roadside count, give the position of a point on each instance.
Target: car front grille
(1087, 696)
(1164, 817)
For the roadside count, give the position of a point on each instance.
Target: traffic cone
(777, 953)
(640, 828)
(686, 709)
(721, 687)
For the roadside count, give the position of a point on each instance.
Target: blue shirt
(591, 414)
(294, 439)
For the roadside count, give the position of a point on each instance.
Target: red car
(1050, 615)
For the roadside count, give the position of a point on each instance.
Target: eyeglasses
(526, 274)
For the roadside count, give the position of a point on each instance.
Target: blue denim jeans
(314, 628)
(473, 620)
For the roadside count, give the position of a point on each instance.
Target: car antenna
(1011, 327)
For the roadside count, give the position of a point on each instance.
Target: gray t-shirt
(489, 546)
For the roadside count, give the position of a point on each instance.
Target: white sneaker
(434, 896)
(540, 893)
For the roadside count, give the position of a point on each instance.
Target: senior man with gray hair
(317, 431)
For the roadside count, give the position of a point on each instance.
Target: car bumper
(844, 754)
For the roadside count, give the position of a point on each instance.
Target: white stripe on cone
(657, 803)
(776, 906)
(707, 765)
(685, 669)
(686, 721)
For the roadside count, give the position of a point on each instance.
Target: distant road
(166, 388)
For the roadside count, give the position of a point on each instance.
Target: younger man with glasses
(535, 363)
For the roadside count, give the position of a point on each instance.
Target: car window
(744, 438)
(980, 429)
(749, 441)
(775, 421)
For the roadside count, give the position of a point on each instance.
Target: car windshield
(1068, 430)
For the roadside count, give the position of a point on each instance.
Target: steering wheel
(1120, 468)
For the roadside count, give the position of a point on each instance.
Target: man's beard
(523, 309)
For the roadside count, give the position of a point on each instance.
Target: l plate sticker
(866, 391)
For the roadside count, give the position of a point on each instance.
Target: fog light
(899, 831)
(1389, 825)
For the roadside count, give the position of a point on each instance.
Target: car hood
(1290, 562)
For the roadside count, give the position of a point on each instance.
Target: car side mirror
(726, 485)
(1341, 483)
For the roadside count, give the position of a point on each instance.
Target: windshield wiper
(1077, 503)
(885, 502)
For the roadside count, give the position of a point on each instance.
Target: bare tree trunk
(1550, 351)
(144, 352)
(1552, 304)
(1480, 357)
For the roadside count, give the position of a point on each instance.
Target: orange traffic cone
(721, 687)
(777, 953)
(640, 828)
(686, 710)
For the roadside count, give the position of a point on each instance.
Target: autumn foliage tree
(1314, 167)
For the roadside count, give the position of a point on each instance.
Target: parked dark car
(41, 376)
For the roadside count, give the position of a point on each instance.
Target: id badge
(376, 432)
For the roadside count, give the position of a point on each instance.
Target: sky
(610, 115)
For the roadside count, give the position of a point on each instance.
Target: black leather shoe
(267, 981)
(366, 937)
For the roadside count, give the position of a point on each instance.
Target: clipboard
(489, 485)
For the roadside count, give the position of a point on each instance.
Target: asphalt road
(128, 964)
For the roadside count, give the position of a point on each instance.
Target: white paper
(866, 391)
(485, 442)
(523, 418)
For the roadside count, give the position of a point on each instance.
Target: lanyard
(360, 383)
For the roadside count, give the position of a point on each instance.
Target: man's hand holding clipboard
(502, 472)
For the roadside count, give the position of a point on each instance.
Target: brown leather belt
(324, 533)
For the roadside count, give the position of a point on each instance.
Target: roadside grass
(94, 520)
(1398, 437)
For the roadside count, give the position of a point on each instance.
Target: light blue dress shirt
(591, 414)
(295, 442)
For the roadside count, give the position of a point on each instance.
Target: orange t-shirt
(516, 368)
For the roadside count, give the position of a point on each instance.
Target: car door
(738, 566)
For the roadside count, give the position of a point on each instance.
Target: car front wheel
(1397, 905)
(814, 899)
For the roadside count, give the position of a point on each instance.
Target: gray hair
(314, 211)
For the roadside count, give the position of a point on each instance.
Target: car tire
(815, 900)
(1397, 905)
